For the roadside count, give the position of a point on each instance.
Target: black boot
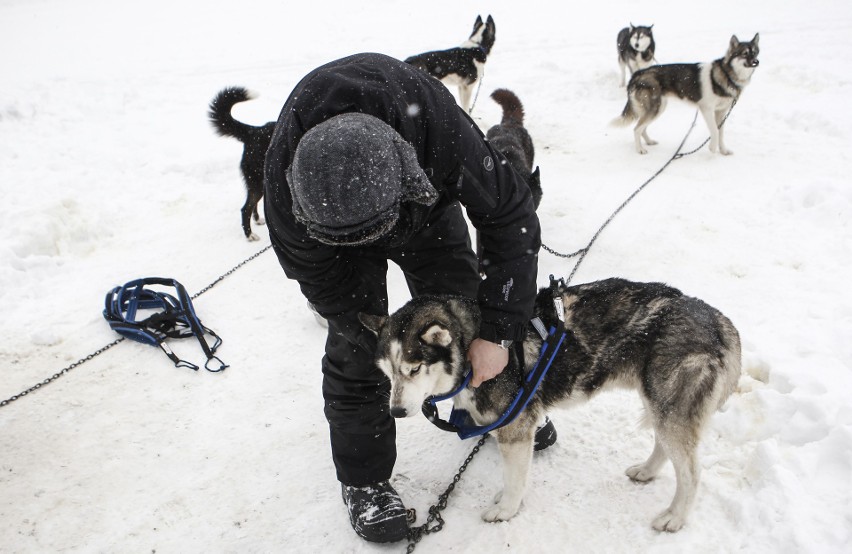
(376, 512)
(545, 435)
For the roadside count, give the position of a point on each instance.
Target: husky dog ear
(651, 27)
(477, 23)
(755, 39)
(435, 334)
(372, 322)
(632, 27)
(734, 42)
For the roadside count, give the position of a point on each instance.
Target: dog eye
(415, 371)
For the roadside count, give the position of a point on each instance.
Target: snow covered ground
(110, 171)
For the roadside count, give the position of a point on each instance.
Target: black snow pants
(438, 260)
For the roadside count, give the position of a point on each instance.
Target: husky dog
(255, 143)
(513, 141)
(460, 66)
(682, 355)
(635, 49)
(713, 87)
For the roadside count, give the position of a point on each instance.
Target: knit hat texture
(349, 176)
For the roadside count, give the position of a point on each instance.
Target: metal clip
(557, 298)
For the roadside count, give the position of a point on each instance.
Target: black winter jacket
(460, 164)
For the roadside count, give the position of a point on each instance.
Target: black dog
(460, 66)
(511, 139)
(255, 143)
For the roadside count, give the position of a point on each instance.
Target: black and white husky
(255, 143)
(713, 87)
(636, 48)
(682, 355)
(462, 66)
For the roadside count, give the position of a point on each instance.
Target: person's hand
(487, 359)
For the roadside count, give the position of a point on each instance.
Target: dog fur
(636, 48)
(681, 355)
(462, 66)
(512, 139)
(255, 143)
(712, 87)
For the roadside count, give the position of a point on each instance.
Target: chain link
(415, 534)
(61, 372)
(103, 349)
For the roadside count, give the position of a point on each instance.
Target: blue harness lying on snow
(460, 421)
(177, 320)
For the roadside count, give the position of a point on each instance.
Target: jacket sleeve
(499, 204)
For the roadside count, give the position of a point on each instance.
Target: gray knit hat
(349, 176)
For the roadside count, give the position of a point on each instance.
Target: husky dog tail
(628, 114)
(513, 110)
(220, 113)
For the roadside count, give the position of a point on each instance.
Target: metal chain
(676, 156)
(103, 349)
(61, 372)
(415, 534)
(233, 269)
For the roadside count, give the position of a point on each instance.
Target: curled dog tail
(513, 110)
(220, 113)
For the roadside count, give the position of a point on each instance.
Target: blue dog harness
(177, 318)
(460, 421)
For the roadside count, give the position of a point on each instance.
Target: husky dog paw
(640, 473)
(498, 512)
(725, 151)
(260, 221)
(650, 142)
(641, 150)
(252, 237)
(668, 521)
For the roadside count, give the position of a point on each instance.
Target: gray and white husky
(636, 48)
(682, 355)
(713, 87)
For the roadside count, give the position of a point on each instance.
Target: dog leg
(639, 132)
(249, 208)
(710, 119)
(257, 219)
(623, 73)
(720, 117)
(680, 448)
(651, 467)
(464, 97)
(517, 457)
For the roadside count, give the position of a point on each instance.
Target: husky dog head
(742, 56)
(641, 38)
(483, 34)
(422, 348)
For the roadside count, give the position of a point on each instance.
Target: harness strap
(176, 320)
(460, 421)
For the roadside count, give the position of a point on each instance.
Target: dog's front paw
(725, 151)
(651, 142)
(260, 221)
(642, 150)
(498, 512)
(252, 237)
(668, 521)
(640, 473)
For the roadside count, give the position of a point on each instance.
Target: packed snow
(110, 171)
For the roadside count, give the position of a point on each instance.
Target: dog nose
(397, 411)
